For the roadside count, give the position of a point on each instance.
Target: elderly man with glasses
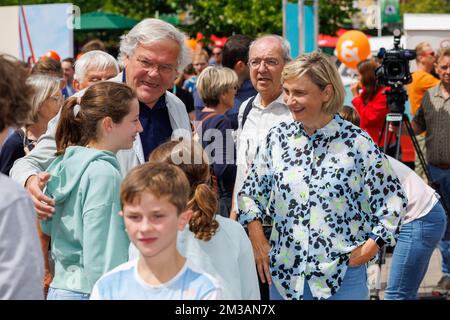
(267, 57)
(152, 53)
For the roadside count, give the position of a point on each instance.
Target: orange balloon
(191, 43)
(52, 55)
(352, 47)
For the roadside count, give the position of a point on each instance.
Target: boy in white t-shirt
(154, 199)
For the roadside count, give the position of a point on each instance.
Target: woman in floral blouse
(331, 193)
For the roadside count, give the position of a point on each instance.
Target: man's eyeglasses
(150, 66)
(270, 62)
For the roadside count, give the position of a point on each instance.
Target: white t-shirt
(421, 197)
(125, 283)
(227, 256)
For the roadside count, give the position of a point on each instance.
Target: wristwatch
(378, 240)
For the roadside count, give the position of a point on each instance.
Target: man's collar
(438, 92)
(160, 104)
(257, 102)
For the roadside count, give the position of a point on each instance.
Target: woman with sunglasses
(422, 78)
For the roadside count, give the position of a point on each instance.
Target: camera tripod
(395, 101)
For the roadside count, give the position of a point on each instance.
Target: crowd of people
(169, 173)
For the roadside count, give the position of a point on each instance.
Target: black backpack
(248, 107)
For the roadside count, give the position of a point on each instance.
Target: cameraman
(433, 116)
(422, 80)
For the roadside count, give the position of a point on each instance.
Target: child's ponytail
(204, 204)
(69, 130)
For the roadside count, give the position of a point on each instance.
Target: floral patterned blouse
(326, 194)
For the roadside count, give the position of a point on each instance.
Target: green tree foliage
(225, 17)
(220, 17)
(425, 6)
(254, 17)
(335, 14)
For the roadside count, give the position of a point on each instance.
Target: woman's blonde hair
(190, 157)
(214, 81)
(421, 49)
(322, 72)
(44, 87)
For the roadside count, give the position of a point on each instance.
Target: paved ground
(431, 278)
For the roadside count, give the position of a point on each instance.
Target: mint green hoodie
(88, 235)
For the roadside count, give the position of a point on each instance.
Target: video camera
(394, 73)
(394, 70)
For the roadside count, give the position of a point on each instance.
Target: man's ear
(183, 219)
(239, 66)
(121, 213)
(126, 61)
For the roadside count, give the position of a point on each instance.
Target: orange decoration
(52, 55)
(352, 47)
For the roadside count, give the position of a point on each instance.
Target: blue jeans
(353, 287)
(415, 245)
(443, 178)
(61, 294)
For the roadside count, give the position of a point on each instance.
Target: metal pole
(316, 25)
(379, 19)
(283, 8)
(301, 28)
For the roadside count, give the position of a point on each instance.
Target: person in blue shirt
(331, 192)
(154, 197)
(68, 67)
(217, 87)
(216, 244)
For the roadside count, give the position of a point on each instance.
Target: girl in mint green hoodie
(88, 235)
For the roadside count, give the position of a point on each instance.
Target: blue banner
(292, 29)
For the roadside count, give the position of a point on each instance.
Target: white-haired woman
(47, 99)
(217, 88)
(330, 190)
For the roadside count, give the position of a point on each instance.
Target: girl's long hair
(79, 125)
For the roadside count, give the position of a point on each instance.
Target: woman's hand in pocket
(363, 254)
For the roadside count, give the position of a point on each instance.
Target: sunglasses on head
(428, 53)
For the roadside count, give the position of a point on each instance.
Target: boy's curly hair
(15, 93)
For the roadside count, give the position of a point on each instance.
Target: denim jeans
(353, 287)
(61, 294)
(443, 178)
(415, 245)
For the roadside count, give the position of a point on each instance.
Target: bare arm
(261, 248)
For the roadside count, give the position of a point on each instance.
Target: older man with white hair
(92, 67)
(152, 53)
